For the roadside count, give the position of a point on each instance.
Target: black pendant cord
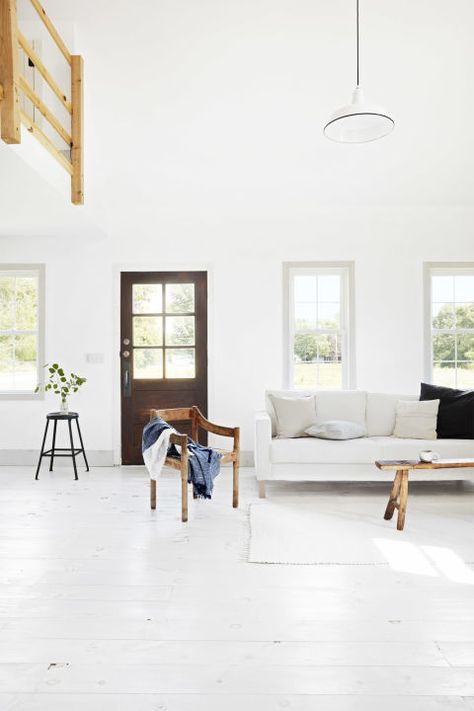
(357, 13)
(357, 4)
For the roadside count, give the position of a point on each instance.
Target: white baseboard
(96, 457)
(29, 457)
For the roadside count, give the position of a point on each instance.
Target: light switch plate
(95, 358)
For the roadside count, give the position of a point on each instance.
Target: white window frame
(37, 270)
(439, 269)
(346, 271)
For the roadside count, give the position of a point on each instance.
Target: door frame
(116, 345)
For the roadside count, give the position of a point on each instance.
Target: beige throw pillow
(416, 419)
(293, 415)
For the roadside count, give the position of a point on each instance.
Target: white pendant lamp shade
(358, 122)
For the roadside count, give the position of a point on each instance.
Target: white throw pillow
(416, 419)
(337, 429)
(293, 415)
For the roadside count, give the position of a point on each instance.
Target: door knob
(126, 341)
(126, 354)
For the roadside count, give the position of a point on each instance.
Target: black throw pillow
(456, 411)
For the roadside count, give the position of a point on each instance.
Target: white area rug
(306, 531)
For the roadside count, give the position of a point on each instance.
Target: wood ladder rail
(13, 84)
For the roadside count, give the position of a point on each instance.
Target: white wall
(245, 309)
(204, 149)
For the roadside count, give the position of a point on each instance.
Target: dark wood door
(163, 349)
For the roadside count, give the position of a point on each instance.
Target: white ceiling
(217, 106)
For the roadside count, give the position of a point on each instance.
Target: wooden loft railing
(13, 84)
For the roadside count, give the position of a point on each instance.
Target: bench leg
(261, 490)
(392, 502)
(403, 500)
(153, 493)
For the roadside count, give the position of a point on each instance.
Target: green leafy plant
(61, 384)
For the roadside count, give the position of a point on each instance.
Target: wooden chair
(198, 420)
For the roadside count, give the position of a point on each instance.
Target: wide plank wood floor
(108, 606)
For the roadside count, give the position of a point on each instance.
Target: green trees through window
(452, 323)
(318, 321)
(18, 331)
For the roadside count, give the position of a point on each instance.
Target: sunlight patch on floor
(405, 557)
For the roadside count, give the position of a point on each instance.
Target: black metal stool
(64, 451)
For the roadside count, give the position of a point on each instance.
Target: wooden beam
(10, 103)
(77, 130)
(35, 130)
(30, 52)
(41, 106)
(52, 30)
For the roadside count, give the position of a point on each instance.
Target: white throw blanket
(154, 457)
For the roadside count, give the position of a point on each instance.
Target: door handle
(127, 391)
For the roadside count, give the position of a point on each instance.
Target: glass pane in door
(147, 330)
(147, 298)
(180, 363)
(179, 330)
(147, 363)
(179, 298)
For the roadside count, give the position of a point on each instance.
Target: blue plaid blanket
(203, 463)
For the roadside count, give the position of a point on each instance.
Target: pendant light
(358, 122)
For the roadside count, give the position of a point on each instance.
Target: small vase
(64, 407)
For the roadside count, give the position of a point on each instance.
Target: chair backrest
(174, 414)
(180, 414)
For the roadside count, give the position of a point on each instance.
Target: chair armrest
(263, 438)
(179, 439)
(212, 427)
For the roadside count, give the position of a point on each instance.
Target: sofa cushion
(394, 448)
(415, 419)
(293, 415)
(349, 405)
(381, 412)
(309, 450)
(456, 411)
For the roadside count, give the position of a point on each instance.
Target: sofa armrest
(263, 438)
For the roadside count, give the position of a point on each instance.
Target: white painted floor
(108, 606)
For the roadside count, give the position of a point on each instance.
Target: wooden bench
(399, 493)
(197, 419)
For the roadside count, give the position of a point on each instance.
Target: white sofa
(312, 459)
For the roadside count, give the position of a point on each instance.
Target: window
(20, 330)
(450, 325)
(317, 323)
